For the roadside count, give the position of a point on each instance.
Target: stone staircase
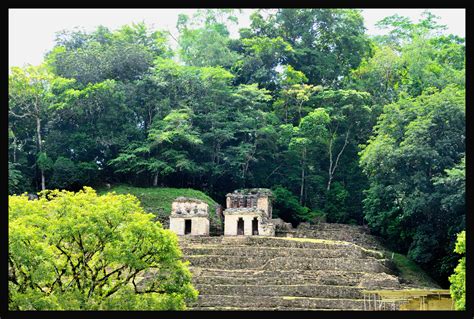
(281, 273)
(352, 233)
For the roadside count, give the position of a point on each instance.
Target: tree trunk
(329, 182)
(302, 176)
(299, 111)
(155, 180)
(40, 149)
(14, 149)
(330, 163)
(332, 169)
(302, 186)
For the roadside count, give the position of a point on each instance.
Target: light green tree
(32, 94)
(80, 251)
(458, 279)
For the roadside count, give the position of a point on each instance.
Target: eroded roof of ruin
(251, 191)
(183, 199)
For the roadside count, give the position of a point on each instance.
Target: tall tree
(251, 128)
(32, 95)
(350, 123)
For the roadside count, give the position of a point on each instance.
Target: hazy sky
(32, 31)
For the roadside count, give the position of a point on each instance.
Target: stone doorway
(255, 226)
(240, 226)
(187, 226)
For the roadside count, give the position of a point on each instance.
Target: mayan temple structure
(249, 212)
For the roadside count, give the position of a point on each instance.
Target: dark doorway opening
(240, 226)
(255, 226)
(187, 226)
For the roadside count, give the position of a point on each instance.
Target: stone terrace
(276, 273)
(355, 234)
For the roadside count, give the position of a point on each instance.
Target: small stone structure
(189, 216)
(249, 212)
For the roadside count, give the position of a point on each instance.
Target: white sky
(32, 31)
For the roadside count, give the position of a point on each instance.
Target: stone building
(249, 212)
(189, 216)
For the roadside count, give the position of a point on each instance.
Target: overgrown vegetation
(411, 273)
(355, 128)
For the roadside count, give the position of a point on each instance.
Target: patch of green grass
(411, 272)
(154, 199)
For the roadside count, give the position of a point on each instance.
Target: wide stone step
(218, 308)
(247, 251)
(279, 273)
(281, 302)
(335, 226)
(292, 277)
(361, 239)
(251, 278)
(334, 234)
(305, 290)
(258, 241)
(285, 263)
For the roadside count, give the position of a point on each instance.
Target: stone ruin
(189, 216)
(323, 267)
(249, 212)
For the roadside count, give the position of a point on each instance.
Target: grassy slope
(154, 199)
(411, 272)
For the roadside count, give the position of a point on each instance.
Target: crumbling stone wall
(186, 205)
(259, 198)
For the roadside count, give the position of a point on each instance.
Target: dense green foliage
(415, 141)
(80, 251)
(287, 207)
(355, 128)
(458, 279)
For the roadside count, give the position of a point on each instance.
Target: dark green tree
(414, 142)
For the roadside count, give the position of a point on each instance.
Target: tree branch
(346, 141)
(19, 116)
